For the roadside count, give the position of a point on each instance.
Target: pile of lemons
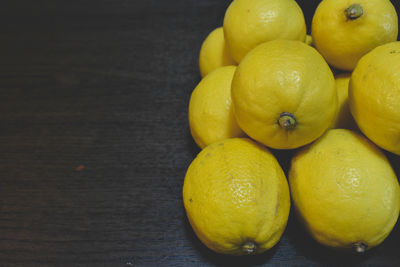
(267, 84)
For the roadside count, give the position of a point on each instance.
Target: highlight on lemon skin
(214, 53)
(211, 116)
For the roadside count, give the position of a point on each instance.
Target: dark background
(94, 138)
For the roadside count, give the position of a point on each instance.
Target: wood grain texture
(94, 139)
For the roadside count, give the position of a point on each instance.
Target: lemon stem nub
(353, 12)
(249, 248)
(287, 121)
(360, 247)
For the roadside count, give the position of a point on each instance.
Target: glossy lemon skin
(374, 96)
(248, 23)
(343, 41)
(284, 76)
(211, 115)
(345, 190)
(235, 193)
(214, 53)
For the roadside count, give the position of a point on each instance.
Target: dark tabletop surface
(94, 138)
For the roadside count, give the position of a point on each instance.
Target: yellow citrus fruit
(284, 94)
(236, 197)
(309, 40)
(345, 191)
(248, 23)
(374, 96)
(211, 116)
(343, 31)
(214, 52)
(343, 119)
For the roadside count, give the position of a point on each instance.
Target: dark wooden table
(94, 139)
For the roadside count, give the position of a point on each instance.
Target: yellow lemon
(374, 96)
(345, 191)
(214, 52)
(309, 40)
(236, 197)
(343, 119)
(248, 23)
(211, 115)
(284, 94)
(343, 31)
